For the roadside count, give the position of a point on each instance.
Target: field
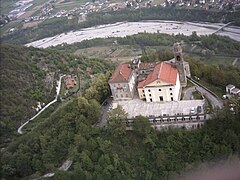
(115, 53)
(224, 60)
(124, 53)
(71, 4)
(7, 6)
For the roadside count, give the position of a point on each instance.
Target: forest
(113, 152)
(51, 27)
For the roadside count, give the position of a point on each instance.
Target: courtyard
(136, 107)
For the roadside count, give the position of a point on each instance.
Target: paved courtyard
(137, 107)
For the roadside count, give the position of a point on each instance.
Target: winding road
(58, 88)
(214, 100)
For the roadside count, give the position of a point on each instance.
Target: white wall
(177, 89)
(168, 91)
(155, 93)
(123, 91)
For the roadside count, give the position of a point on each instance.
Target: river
(122, 29)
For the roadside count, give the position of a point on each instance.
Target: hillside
(67, 130)
(29, 75)
(113, 152)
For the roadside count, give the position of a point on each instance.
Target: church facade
(161, 85)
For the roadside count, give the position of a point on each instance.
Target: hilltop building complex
(153, 82)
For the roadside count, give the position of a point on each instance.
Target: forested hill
(29, 75)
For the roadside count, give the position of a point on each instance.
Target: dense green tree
(117, 121)
(99, 88)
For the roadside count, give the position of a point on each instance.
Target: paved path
(214, 100)
(104, 113)
(234, 62)
(65, 166)
(58, 88)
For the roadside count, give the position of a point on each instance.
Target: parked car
(199, 109)
(192, 110)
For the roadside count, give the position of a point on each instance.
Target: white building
(122, 82)
(235, 91)
(229, 88)
(162, 84)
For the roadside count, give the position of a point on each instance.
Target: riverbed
(122, 29)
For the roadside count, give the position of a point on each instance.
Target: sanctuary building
(153, 82)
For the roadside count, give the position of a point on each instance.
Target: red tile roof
(121, 74)
(162, 71)
(146, 65)
(70, 82)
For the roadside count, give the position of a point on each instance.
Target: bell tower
(177, 50)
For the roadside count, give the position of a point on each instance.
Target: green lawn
(197, 95)
(220, 60)
(13, 24)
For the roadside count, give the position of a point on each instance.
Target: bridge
(219, 29)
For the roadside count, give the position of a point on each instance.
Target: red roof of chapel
(163, 72)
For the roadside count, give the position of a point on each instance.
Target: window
(149, 90)
(161, 98)
(143, 91)
(144, 95)
(171, 98)
(171, 94)
(170, 89)
(150, 99)
(178, 58)
(116, 96)
(126, 95)
(159, 89)
(150, 95)
(121, 95)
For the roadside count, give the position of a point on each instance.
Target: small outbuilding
(235, 91)
(229, 88)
